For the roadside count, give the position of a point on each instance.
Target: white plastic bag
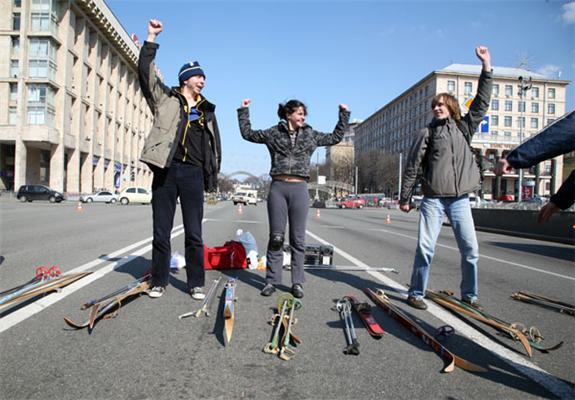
(247, 240)
(177, 262)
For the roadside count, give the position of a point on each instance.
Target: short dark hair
(290, 107)
(450, 102)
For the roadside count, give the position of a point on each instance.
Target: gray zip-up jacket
(442, 151)
(288, 159)
(170, 121)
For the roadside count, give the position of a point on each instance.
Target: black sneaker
(473, 303)
(268, 290)
(297, 291)
(416, 302)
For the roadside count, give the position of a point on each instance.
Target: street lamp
(524, 86)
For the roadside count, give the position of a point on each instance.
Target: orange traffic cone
(387, 219)
(317, 214)
(79, 207)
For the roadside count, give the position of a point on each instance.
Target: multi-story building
(514, 115)
(71, 112)
(340, 157)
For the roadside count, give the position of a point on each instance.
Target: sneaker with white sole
(197, 293)
(156, 291)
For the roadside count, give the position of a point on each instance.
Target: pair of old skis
(529, 338)
(363, 310)
(284, 318)
(229, 300)
(41, 285)
(397, 313)
(539, 300)
(100, 308)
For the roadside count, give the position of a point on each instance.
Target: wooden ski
(229, 300)
(42, 288)
(363, 310)
(397, 313)
(533, 298)
(98, 311)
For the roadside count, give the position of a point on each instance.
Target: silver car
(99, 197)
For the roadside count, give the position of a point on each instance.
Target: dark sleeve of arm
(323, 139)
(218, 143)
(565, 196)
(479, 105)
(150, 84)
(416, 154)
(556, 139)
(257, 136)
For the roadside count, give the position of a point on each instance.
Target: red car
(351, 202)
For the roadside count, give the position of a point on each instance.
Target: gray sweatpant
(287, 201)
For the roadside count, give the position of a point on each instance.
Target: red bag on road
(232, 255)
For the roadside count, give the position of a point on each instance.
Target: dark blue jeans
(185, 181)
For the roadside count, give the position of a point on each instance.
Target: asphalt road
(146, 352)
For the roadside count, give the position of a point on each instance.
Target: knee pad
(276, 241)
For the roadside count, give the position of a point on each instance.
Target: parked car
(135, 195)
(351, 202)
(28, 193)
(507, 197)
(99, 197)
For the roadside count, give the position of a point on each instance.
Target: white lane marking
(556, 386)
(480, 255)
(26, 312)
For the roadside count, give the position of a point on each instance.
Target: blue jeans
(458, 211)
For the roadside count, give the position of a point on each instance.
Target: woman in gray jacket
(291, 143)
(442, 152)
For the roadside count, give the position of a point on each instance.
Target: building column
(56, 178)
(20, 163)
(87, 179)
(99, 174)
(73, 172)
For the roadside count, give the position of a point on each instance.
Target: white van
(245, 197)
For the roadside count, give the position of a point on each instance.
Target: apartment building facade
(71, 113)
(514, 116)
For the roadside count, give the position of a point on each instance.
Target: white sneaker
(197, 293)
(156, 291)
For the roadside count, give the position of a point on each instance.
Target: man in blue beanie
(184, 153)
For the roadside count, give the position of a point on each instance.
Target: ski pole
(272, 347)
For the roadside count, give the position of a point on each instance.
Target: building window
(17, 3)
(14, 68)
(507, 134)
(508, 105)
(534, 92)
(507, 122)
(494, 120)
(451, 86)
(16, 21)
(36, 115)
(521, 122)
(495, 90)
(39, 47)
(521, 106)
(550, 121)
(12, 115)
(551, 108)
(15, 45)
(495, 105)
(13, 91)
(38, 68)
(468, 88)
(509, 90)
(41, 5)
(535, 108)
(494, 133)
(551, 93)
(534, 123)
(40, 22)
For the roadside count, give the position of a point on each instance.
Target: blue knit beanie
(188, 70)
